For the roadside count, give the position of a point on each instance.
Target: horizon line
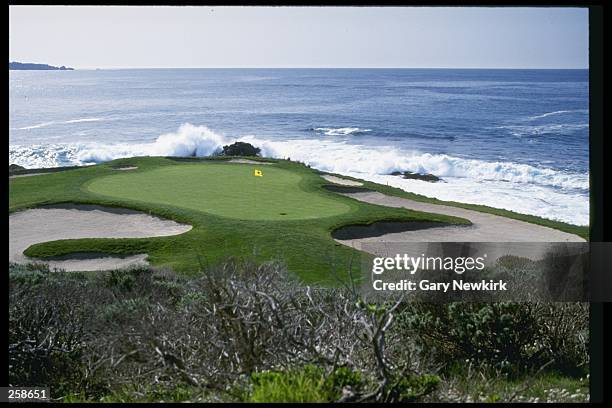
(322, 67)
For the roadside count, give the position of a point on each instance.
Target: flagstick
(255, 189)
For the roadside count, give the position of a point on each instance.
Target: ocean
(512, 139)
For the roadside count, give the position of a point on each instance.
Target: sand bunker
(381, 228)
(246, 161)
(26, 175)
(123, 168)
(345, 189)
(342, 181)
(71, 221)
(485, 227)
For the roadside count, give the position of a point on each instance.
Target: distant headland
(40, 67)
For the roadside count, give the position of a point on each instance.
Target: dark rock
(13, 168)
(241, 149)
(425, 177)
(417, 176)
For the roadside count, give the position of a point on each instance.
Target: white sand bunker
(70, 221)
(342, 181)
(124, 168)
(247, 161)
(26, 175)
(485, 227)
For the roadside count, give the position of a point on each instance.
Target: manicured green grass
(217, 199)
(228, 190)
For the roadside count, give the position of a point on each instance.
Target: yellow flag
(258, 173)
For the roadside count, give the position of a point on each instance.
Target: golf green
(228, 190)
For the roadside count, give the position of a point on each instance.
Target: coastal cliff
(38, 67)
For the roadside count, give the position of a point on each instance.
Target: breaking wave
(519, 187)
(545, 115)
(541, 130)
(45, 124)
(343, 131)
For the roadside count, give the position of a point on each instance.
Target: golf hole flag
(258, 173)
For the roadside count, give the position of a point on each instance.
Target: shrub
(513, 337)
(412, 388)
(307, 384)
(563, 336)
(46, 337)
(28, 275)
(255, 330)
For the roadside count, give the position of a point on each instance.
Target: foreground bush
(514, 337)
(306, 384)
(244, 332)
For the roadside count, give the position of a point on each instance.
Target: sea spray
(523, 188)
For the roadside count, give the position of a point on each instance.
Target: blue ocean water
(514, 139)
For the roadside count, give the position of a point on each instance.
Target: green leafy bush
(413, 387)
(513, 337)
(307, 384)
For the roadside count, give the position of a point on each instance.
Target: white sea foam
(344, 158)
(82, 120)
(540, 130)
(520, 187)
(531, 199)
(343, 131)
(35, 126)
(559, 112)
(45, 124)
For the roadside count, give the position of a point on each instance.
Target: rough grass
(478, 386)
(305, 245)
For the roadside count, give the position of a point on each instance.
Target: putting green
(228, 190)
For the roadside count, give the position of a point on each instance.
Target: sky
(284, 37)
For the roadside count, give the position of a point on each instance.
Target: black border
(600, 225)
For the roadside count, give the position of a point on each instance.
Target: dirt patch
(74, 221)
(342, 181)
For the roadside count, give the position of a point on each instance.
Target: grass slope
(218, 200)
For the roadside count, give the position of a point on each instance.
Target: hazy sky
(116, 37)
